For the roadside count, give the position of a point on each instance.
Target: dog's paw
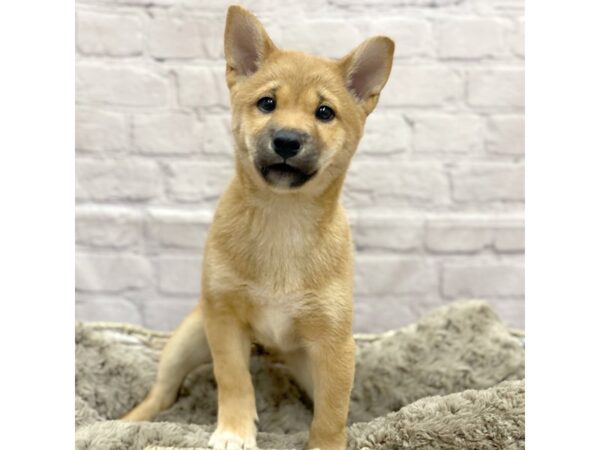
(226, 440)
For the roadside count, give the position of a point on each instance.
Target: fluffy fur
(278, 258)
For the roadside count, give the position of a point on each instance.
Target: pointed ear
(367, 69)
(247, 44)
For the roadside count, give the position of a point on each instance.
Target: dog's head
(297, 118)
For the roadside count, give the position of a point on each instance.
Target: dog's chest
(273, 325)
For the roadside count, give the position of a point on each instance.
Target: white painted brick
(185, 37)
(166, 314)
(511, 311)
(180, 274)
(451, 237)
(508, 6)
(386, 134)
(166, 134)
(198, 182)
(506, 135)
(488, 182)
(109, 34)
(101, 131)
(119, 85)
(284, 8)
(500, 87)
(179, 229)
(483, 280)
(510, 239)
(217, 140)
(116, 3)
(386, 232)
(373, 314)
(396, 3)
(309, 36)
(518, 38)
(412, 37)
(414, 85)
(464, 234)
(371, 184)
(112, 227)
(108, 309)
(202, 86)
(471, 38)
(392, 274)
(425, 156)
(101, 180)
(111, 273)
(448, 133)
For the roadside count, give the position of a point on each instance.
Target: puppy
(278, 259)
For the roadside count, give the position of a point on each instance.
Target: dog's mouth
(283, 174)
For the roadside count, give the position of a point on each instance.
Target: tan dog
(278, 259)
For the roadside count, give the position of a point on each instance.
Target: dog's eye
(266, 104)
(325, 113)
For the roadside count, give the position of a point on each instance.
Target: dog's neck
(322, 204)
(273, 236)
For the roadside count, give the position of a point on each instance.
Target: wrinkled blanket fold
(453, 380)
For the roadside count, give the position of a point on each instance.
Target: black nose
(287, 143)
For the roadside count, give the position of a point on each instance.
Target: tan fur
(278, 261)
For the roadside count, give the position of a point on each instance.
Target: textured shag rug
(453, 380)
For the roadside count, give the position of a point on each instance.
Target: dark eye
(324, 113)
(266, 104)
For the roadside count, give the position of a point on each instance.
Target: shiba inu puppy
(278, 259)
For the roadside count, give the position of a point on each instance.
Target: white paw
(225, 440)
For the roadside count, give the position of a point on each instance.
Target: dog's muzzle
(286, 158)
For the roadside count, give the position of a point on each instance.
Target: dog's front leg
(332, 368)
(230, 344)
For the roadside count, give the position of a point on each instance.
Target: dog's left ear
(247, 44)
(367, 69)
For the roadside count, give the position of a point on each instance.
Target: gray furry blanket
(453, 380)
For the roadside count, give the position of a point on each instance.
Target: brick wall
(435, 192)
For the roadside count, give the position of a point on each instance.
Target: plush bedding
(453, 380)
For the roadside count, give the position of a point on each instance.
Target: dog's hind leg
(185, 350)
(298, 364)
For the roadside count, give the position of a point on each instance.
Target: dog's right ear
(247, 44)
